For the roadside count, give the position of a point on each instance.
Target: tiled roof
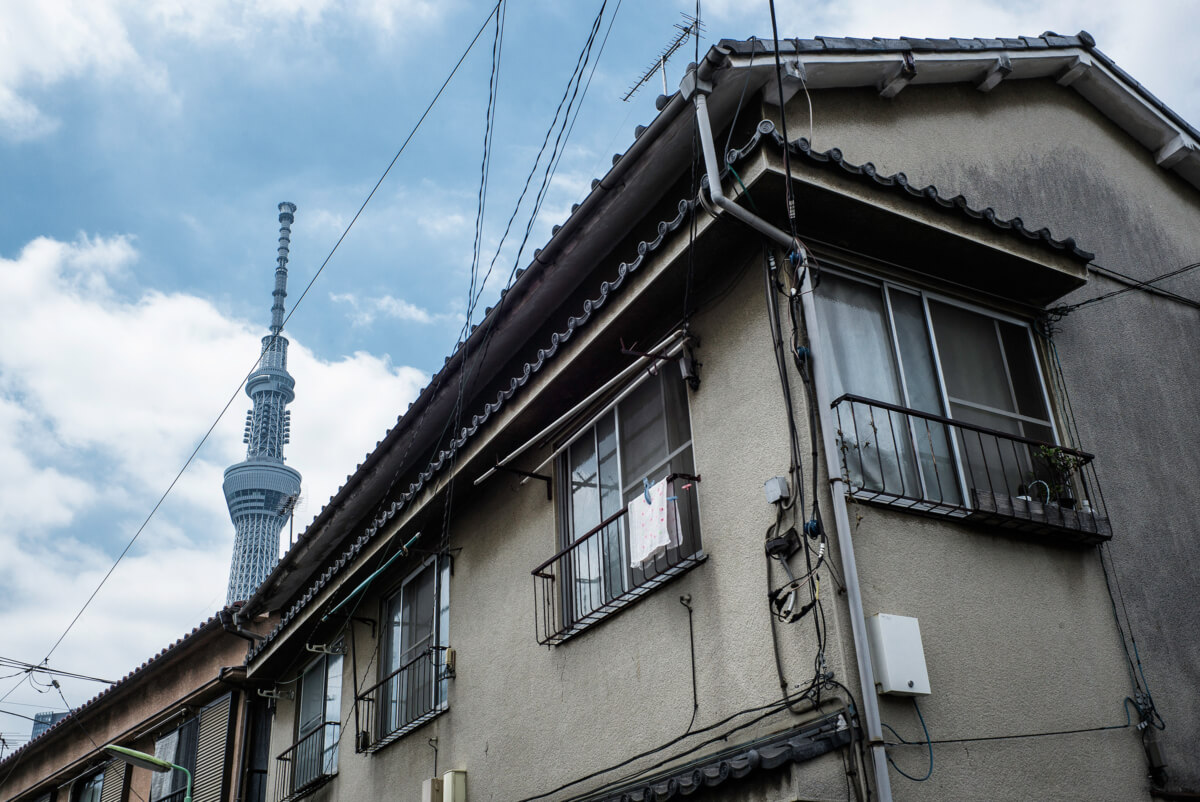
(898, 184)
(911, 44)
(1048, 41)
(804, 743)
(206, 626)
(832, 159)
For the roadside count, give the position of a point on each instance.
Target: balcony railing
(403, 700)
(592, 577)
(938, 466)
(308, 764)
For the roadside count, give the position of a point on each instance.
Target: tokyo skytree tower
(261, 490)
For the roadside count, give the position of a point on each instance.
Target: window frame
(439, 640)
(328, 761)
(174, 778)
(1021, 510)
(80, 785)
(559, 603)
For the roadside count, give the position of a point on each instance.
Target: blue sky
(143, 149)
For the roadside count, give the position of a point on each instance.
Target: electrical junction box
(454, 786)
(776, 489)
(431, 790)
(897, 655)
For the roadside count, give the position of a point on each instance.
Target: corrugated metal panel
(114, 782)
(211, 748)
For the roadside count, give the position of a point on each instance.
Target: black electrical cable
(1065, 309)
(237, 391)
(741, 101)
(928, 743)
(775, 706)
(1147, 709)
(30, 667)
(787, 160)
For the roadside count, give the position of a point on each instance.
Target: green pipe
(403, 552)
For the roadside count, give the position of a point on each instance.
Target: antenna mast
(690, 26)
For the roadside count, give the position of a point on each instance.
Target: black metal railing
(174, 796)
(308, 764)
(403, 700)
(940, 466)
(592, 578)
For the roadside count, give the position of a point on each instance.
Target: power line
(296, 305)
(30, 667)
(1147, 284)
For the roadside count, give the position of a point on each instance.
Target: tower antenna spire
(287, 213)
(258, 488)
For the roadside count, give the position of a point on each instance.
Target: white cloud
(50, 41)
(364, 311)
(102, 398)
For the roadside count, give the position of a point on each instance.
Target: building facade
(581, 590)
(886, 498)
(189, 704)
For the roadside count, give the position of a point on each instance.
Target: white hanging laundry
(653, 526)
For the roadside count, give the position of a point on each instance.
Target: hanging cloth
(653, 524)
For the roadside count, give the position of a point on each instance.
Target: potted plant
(1060, 467)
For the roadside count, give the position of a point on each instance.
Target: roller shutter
(113, 789)
(211, 749)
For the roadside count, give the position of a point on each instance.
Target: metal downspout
(698, 88)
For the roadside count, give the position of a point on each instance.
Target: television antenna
(691, 26)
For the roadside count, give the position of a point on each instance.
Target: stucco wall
(1019, 637)
(1039, 151)
(524, 718)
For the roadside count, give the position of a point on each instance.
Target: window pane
(970, 351)
(417, 610)
(679, 425)
(185, 753)
(938, 476)
(851, 316)
(312, 697)
(1022, 366)
(875, 442)
(333, 712)
(996, 464)
(164, 749)
(612, 539)
(643, 431)
(89, 791)
(584, 485)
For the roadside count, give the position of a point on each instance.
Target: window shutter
(211, 748)
(114, 782)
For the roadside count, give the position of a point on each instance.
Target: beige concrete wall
(1019, 637)
(525, 718)
(1039, 151)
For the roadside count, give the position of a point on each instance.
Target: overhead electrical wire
(8, 662)
(301, 297)
(1065, 309)
(581, 63)
(479, 287)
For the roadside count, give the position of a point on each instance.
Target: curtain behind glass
(876, 447)
(164, 749)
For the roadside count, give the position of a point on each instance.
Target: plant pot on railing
(1060, 468)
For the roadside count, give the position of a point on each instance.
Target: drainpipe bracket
(692, 84)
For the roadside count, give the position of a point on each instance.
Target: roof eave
(1073, 62)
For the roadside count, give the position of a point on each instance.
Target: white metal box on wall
(897, 655)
